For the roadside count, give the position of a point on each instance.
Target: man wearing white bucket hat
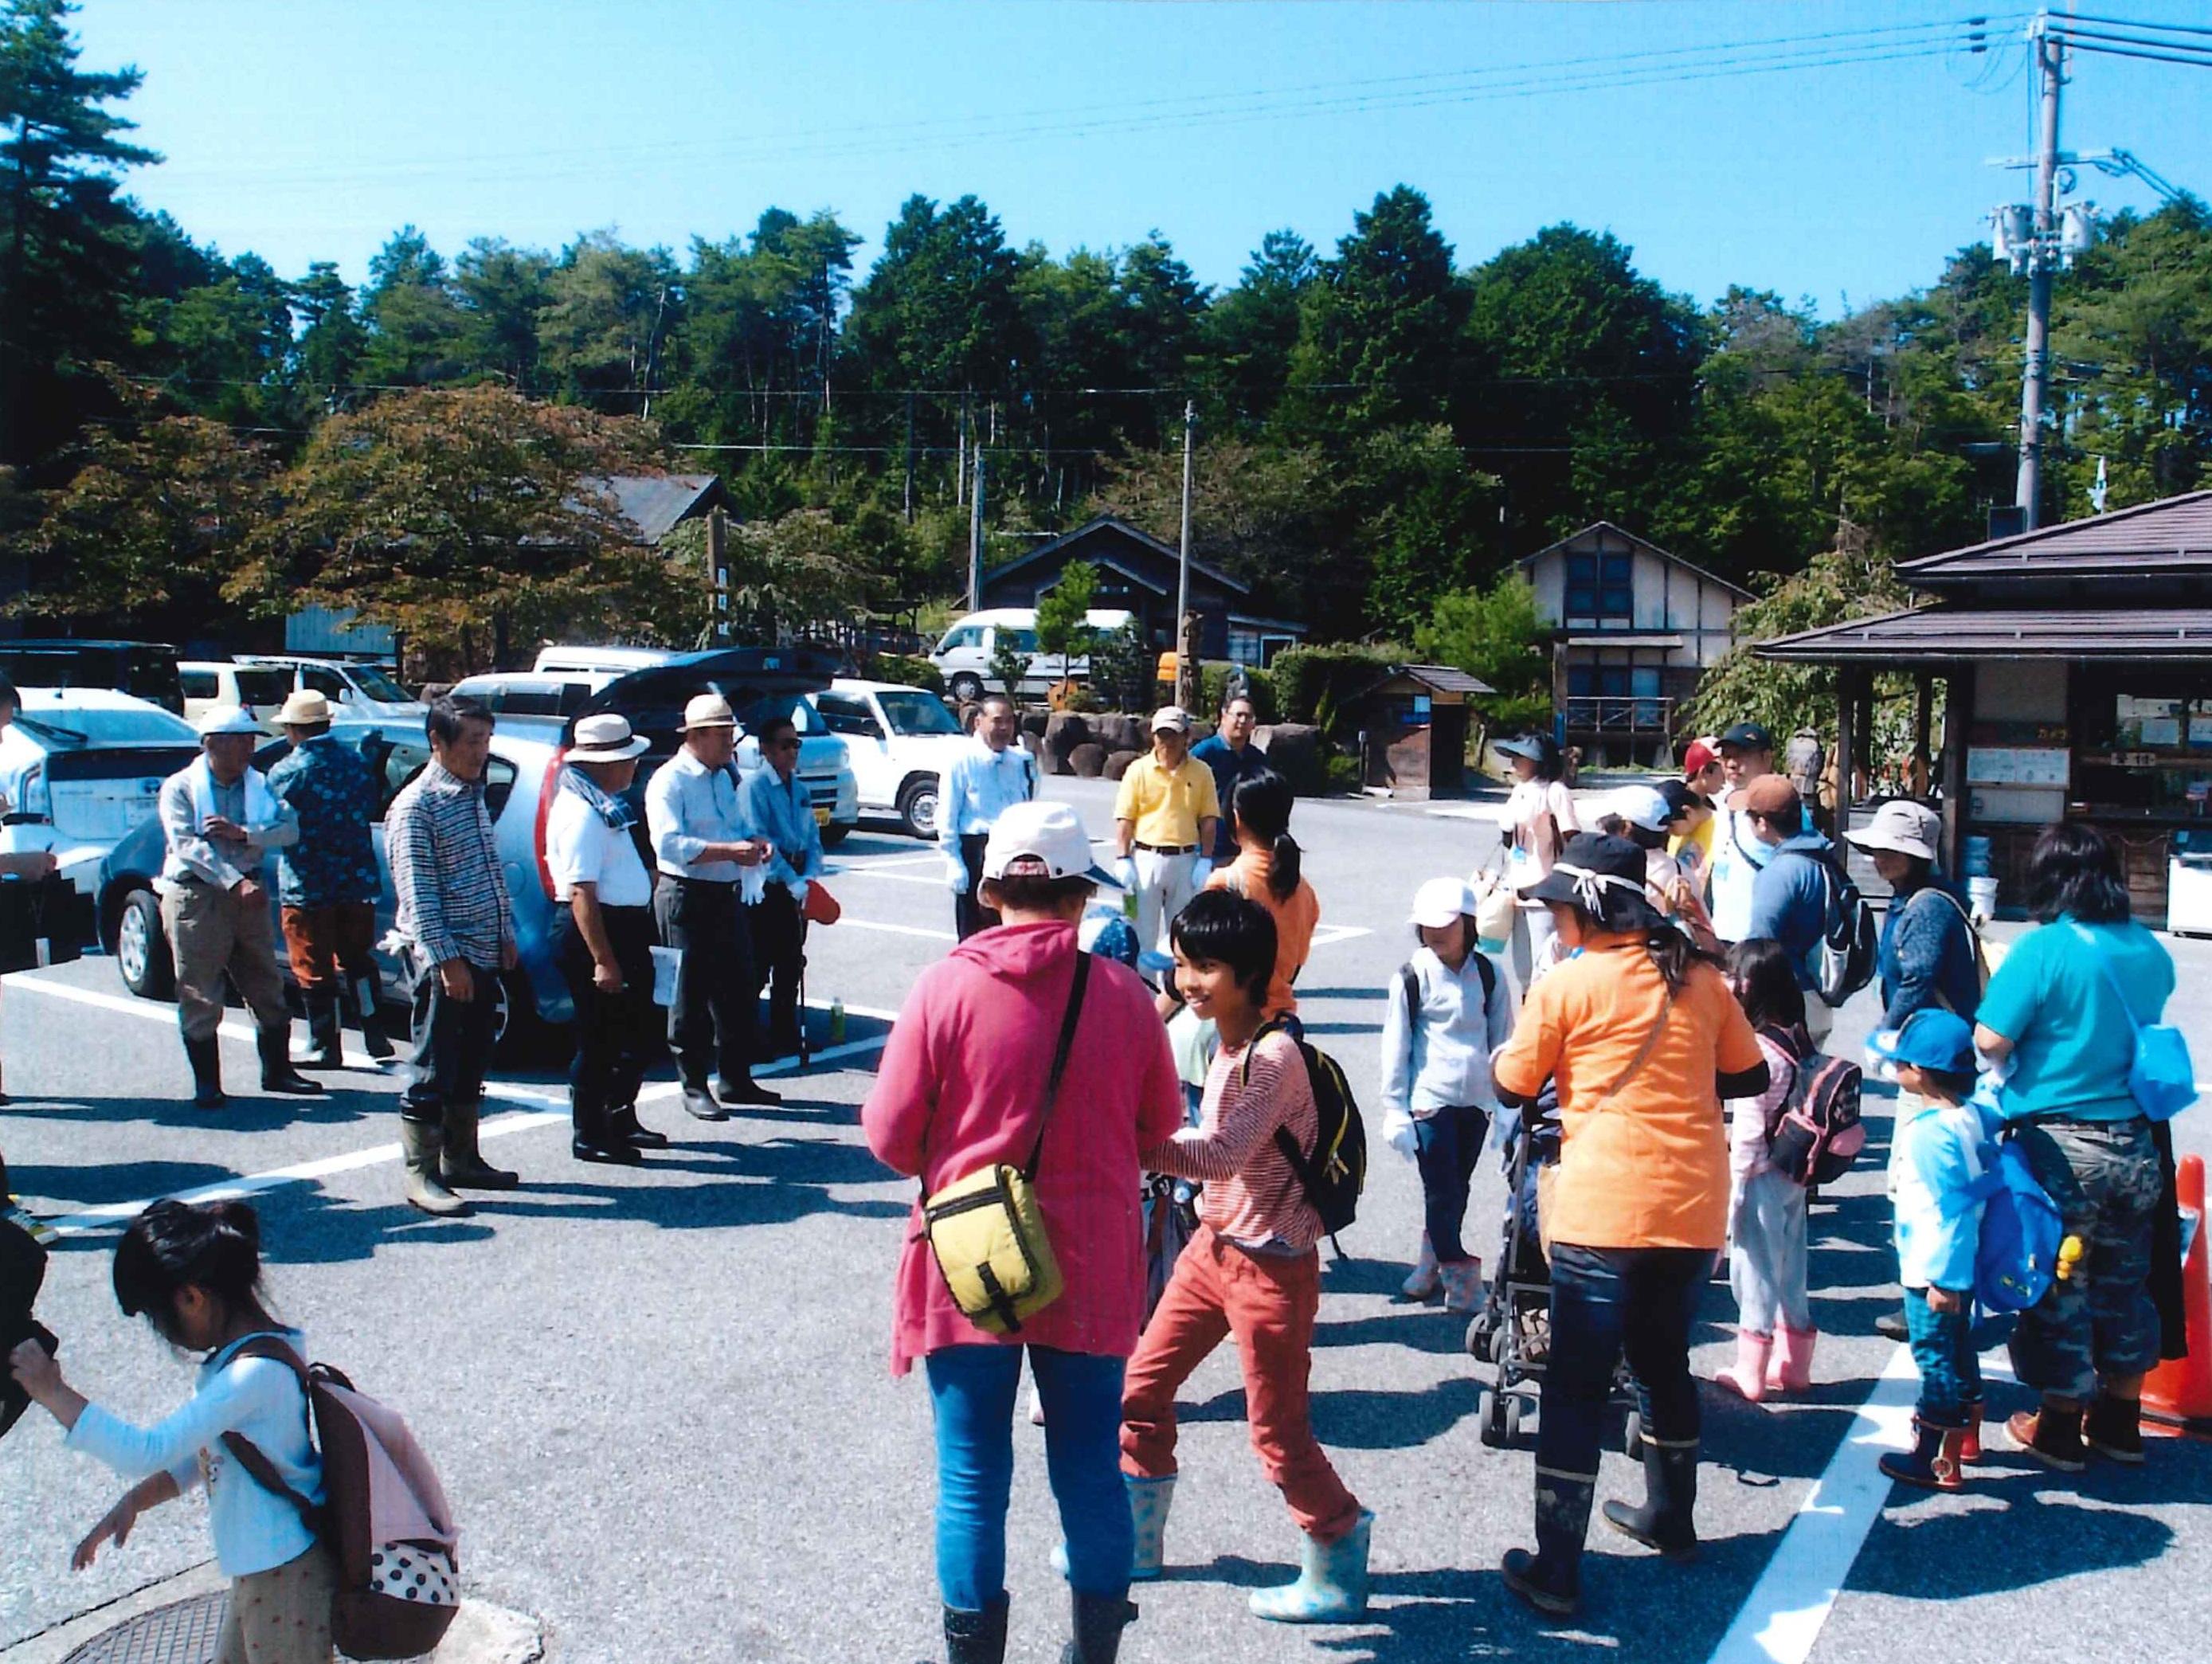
(603, 938)
(708, 854)
(222, 821)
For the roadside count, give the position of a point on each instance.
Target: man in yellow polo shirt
(1163, 822)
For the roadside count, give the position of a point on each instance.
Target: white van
(964, 657)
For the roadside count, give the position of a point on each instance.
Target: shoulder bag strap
(1067, 1023)
(2112, 977)
(1642, 1055)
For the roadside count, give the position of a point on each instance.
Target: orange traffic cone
(2181, 1391)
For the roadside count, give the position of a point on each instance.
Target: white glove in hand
(799, 888)
(956, 875)
(1398, 1133)
(1125, 869)
(1201, 868)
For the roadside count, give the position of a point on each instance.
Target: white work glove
(1125, 869)
(1398, 1132)
(956, 875)
(799, 887)
(1201, 868)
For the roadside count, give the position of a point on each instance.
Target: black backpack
(1336, 1171)
(1814, 1134)
(1845, 958)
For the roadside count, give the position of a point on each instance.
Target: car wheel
(917, 807)
(966, 688)
(142, 948)
(834, 833)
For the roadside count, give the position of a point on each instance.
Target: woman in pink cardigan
(962, 1086)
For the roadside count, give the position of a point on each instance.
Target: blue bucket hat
(1936, 1040)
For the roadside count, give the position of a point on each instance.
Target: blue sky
(303, 130)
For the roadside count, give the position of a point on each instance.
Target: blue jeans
(1448, 1142)
(1606, 1302)
(1943, 1352)
(972, 1391)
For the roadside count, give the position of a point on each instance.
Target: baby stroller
(1512, 1332)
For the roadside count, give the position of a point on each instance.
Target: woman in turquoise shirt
(2054, 1008)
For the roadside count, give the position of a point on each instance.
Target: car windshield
(917, 713)
(104, 726)
(379, 686)
(800, 709)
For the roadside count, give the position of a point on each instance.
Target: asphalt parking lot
(660, 1401)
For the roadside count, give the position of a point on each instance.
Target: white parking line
(1782, 1617)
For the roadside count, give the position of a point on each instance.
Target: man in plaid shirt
(454, 914)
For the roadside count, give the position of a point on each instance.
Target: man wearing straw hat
(328, 881)
(708, 855)
(603, 938)
(222, 820)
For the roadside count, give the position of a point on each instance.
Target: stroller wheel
(1478, 1340)
(1512, 1420)
(1632, 1434)
(1494, 1419)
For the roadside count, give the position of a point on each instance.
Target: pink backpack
(384, 1516)
(1814, 1135)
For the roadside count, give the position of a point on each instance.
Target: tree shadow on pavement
(1420, 1328)
(1358, 1419)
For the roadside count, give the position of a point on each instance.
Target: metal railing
(1620, 713)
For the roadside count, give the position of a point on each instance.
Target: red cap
(1700, 757)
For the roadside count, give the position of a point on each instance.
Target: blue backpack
(2017, 1256)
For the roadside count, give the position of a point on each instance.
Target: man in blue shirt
(989, 776)
(779, 809)
(1789, 897)
(328, 881)
(1230, 753)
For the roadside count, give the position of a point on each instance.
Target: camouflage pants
(2099, 1321)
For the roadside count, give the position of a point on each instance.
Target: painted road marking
(1783, 1616)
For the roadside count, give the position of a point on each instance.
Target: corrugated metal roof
(1951, 634)
(1447, 678)
(656, 503)
(2154, 539)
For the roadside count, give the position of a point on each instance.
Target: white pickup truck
(899, 741)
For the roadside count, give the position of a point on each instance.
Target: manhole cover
(183, 1633)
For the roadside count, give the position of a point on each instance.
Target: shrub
(1311, 683)
(1213, 687)
(1341, 773)
(910, 671)
(1121, 666)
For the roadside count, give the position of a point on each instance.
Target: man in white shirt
(1746, 754)
(704, 848)
(990, 776)
(222, 821)
(603, 938)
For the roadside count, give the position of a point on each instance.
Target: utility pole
(909, 458)
(975, 538)
(1186, 665)
(2035, 365)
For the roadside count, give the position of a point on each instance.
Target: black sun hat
(1603, 877)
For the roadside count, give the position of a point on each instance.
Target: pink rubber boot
(1791, 1370)
(1748, 1378)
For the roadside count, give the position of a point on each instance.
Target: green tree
(1494, 635)
(412, 314)
(66, 237)
(1375, 333)
(503, 292)
(1061, 625)
(330, 336)
(939, 309)
(1250, 331)
(608, 310)
(464, 518)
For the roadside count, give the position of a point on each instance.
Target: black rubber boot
(277, 1074)
(206, 1058)
(1667, 1519)
(368, 997)
(624, 1125)
(592, 1136)
(325, 1048)
(1551, 1579)
(1099, 1621)
(1933, 1463)
(976, 1637)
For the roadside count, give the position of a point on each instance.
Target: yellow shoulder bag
(987, 1229)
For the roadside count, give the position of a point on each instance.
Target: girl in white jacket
(1444, 1012)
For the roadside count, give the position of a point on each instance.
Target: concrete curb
(481, 1634)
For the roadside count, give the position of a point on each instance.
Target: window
(1601, 587)
(499, 785)
(197, 685)
(847, 715)
(328, 684)
(257, 688)
(1010, 638)
(917, 714)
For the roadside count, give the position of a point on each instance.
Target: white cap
(1902, 826)
(1171, 716)
(1642, 805)
(1040, 839)
(1440, 901)
(606, 737)
(707, 710)
(229, 719)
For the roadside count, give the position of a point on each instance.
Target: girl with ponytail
(194, 1270)
(1267, 870)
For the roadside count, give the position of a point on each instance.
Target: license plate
(821, 817)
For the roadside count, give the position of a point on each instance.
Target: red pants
(1267, 1303)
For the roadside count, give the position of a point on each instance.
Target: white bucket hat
(303, 709)
(606, 737)
(707, 710)
(1041, 840)
(1642, 805)
(1906, 828)
(229, 719)
(1440, 901)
